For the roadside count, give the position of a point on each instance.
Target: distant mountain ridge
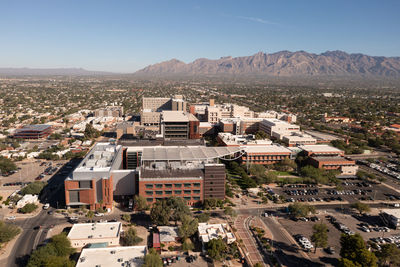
(50, 72)
(283, 63)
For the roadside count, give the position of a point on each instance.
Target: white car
(46, 206)
(98, 214)
(11, 218)
(365, 229)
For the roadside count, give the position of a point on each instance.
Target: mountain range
(283, 64)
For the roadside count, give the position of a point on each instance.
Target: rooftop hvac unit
(113, 251)
(90, 236)
(82, 259)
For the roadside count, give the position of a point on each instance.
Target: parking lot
(350, 190)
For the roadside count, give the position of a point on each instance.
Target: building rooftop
(168, 233)
(186, 153)
(112, 256)
(320, 148)
(162, 173)
(266, 149)
(393, 212)
(100, 158)
(338, 159)
(208, 232)
(174, 116)
(94, 230)
(231, 139)
(36, 127)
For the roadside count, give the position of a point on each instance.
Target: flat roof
(100, 158)
(187, 153)
(266, 149)
(174, 116)
(113, 256)
(94, 230)
(338, 159)
(393, 212)
(320, 148)
(189, 173)
(35, 127)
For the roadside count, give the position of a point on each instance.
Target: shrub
(28, 208)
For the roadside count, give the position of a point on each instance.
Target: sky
(125, 36)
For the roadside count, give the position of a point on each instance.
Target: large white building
(82, 234)
(276, 128)
(132, 256)
(208, 232)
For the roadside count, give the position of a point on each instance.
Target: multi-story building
(192, 173)
(298, 138)
(265, 154)
(111, 172)
(99, 178)
(38, 131)
(179, 125)
(240, 126)
(111, 111)
(329, 158)
(321, 150)
(156, 103)
(275, 127)
(215, 113)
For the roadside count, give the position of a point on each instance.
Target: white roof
(266, 149)
(393, 212)
(174, 116)
(112, 256)
(320, 148)
(208, 232)
(94, 230)
(186, 152)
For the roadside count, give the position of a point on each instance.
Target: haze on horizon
(129, 35)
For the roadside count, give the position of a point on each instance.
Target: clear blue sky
(124, 36)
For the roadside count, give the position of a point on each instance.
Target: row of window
(149, 186)
(176, 192)
(188, 198)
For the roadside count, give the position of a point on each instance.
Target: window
(149, 186)
(159, 192)
(85, 184)
(168, 185)
(158, 185)
(149, 199)
(150, 193)
(168, 192)
(196, 191)
(187, 191)
(196, 184)
(211, 189)
(211, 182)
(159, 198)
(187, 185)
(196, 198)
(178, 192)
(178, 185)
(187, 198)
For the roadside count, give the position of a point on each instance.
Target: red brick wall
(143, 189)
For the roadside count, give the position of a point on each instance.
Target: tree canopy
(188, 227)
(6, 165)
(300, 209)
(354, 251)
(55, 253)
(216, 249)
(320, 235)
(361, 207)
(152, 259)
(33, 188)
(8, 231)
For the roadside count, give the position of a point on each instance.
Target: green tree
(204, 217)
(8, 231)
(388, 255)
(353, 249)
(178, 207)
(140, 203)
(160, 212)
(91, 132)
(28, 208)
(300, 210)
(6, 165)
(320, 236)
(188, 227)
(33, 188)
(152, 259)
(90, 215)
(229, 211)
(187, 245)
(55, 253)
(130, 238)
(261, 135)
(361, 207)
(216, 249)
(126, 217)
